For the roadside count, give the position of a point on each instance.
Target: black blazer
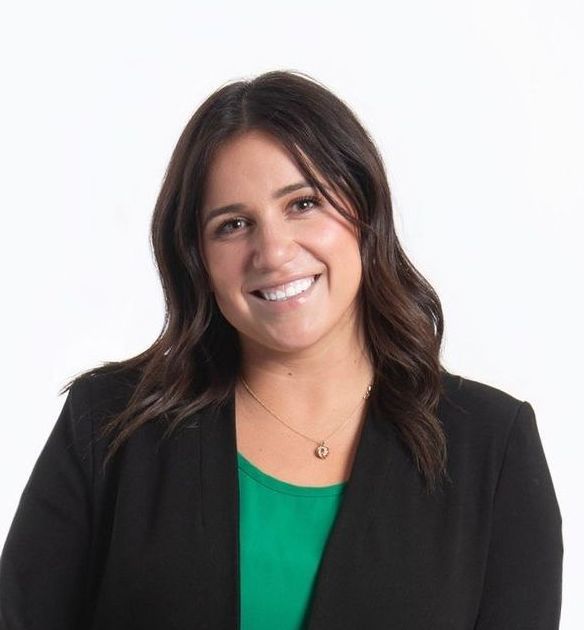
(153, 544)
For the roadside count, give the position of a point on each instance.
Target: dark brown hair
(195, 360)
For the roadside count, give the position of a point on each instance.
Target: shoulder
(462, 396)
(104, 391)
(493, 442)
(479, 417)
(473, 396)
(93, 398)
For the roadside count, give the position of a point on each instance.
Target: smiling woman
(275, 247)
(290, 451)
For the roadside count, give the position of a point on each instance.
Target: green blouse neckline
(283, 486)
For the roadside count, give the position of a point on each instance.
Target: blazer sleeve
(523, 581)
(43, 566)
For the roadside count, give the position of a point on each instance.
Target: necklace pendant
(321, 451)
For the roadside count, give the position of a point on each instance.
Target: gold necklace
(322, 450)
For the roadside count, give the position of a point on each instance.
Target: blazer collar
(380, 461)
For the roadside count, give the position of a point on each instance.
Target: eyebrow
(238, 207)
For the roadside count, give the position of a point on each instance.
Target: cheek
(224, 270)
(338, 243)
(339, 247)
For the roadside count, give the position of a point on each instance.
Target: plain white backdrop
(476, 107)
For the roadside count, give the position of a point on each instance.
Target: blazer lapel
(378, 454)
(220, 516)
(378, 458)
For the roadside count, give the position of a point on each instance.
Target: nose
(273, 245)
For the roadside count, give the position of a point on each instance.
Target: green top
(282, 534)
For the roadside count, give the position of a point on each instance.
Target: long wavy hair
(195, 360)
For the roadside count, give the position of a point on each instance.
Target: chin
(287, 344)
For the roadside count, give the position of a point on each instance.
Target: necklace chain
(322, 450)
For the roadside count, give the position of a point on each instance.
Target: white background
(475, 106)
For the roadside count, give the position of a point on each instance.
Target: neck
(312, 391)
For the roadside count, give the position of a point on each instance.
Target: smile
(294, 293)
(279, 294)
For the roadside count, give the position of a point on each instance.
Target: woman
(290, 452)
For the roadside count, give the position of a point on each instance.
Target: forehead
(252, 161)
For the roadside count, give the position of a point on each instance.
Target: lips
(291, 302)
(277, 287)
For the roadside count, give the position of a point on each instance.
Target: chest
(393, 558)
(281, 453)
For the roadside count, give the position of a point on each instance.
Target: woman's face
(282, 230)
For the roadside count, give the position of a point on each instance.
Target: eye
(226, 227)
(311, 199)
(222, 229)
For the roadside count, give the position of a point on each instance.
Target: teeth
(288, 290)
